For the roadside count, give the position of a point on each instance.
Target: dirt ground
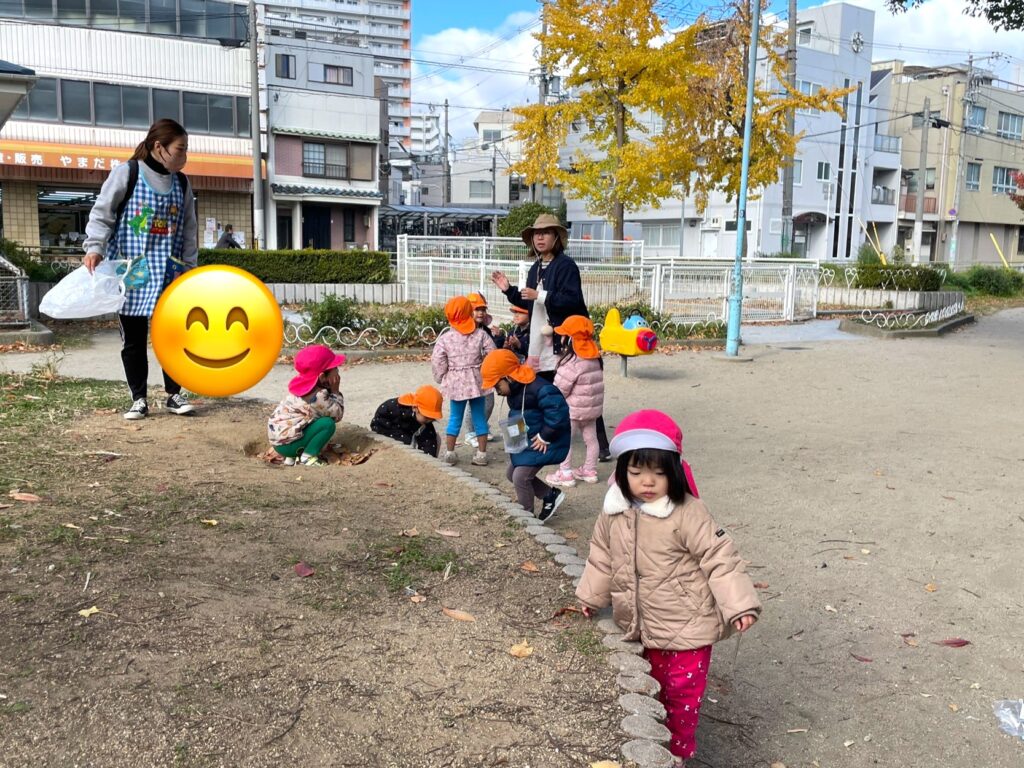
(876, 486)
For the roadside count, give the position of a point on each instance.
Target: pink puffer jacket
(581, 381)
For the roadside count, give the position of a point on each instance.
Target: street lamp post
(732, 341)
(254, 129)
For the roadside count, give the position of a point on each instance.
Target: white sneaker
(139, 410)
(480, 458)
(177, 404)
(451, 457)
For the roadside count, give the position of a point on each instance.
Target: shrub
(307, 266)
(334, 311)
(398, 323)
(898, 255)
(36, 271)
(899, 278)
(520, 217)
(866, 255)
(995, 281)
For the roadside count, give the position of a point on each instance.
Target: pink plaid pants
(683, 676)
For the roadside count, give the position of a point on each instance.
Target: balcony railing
(883, 196)
(885, 143)
(908, 203)
(324, 170)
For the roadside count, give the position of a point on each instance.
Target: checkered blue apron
(150, 237)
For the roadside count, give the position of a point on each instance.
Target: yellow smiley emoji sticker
(217, 330)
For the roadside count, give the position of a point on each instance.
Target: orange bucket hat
(476, 301)
(459, 313)
(426, 399)
(581, 331)
(501, 363)
(518, 310)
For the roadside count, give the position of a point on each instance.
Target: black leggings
(135, 356)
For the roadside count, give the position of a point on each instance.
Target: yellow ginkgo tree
(623, 67)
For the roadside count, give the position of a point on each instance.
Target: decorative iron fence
(13, 296)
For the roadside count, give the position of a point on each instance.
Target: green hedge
(893, 277)
(307, 266)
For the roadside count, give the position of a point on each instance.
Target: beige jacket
(673, 577)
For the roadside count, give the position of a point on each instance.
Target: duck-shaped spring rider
(629, 339)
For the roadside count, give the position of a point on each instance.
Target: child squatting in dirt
(692, 589)
(304, 422)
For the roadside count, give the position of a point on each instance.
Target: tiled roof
(326, 134)
(296, 189)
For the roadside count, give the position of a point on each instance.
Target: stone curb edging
(932, 331)
(643, 723)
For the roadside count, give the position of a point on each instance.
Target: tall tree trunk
(618, 212)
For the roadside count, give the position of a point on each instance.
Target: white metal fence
(583, 252)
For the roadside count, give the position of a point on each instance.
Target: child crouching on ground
(410, 418)
(304, 422)
(692, 589)
(455, 362)
(546, 417)
(580, 377)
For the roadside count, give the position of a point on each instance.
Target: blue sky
(432, 16)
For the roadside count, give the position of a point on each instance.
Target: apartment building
(324, 137)
(845, 171)
(425, 139)
(975, 143)
(105, 71)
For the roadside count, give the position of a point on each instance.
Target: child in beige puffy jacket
(690, 588)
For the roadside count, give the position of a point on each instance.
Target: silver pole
(254, 129)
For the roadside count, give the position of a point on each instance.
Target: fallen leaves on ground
(605, 764)
(87, 612)
(565, 610)
(454, 613)
(861, 658)
(447, 532)
(760, 585)
(530, 567)
(302, 570)
(929, 587)
(570, 535)
(210, 522)
(417, 599)
(952, 642)
(72, 526)
(20, 496)
(409, 533)
(830, 609)
(908, 639)
(520, 650)
(338, 455)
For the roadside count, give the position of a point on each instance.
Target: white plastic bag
(83, 295)
(1010, 715)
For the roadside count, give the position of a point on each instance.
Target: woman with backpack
(146, 214)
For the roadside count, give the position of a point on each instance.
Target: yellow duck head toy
(633, 338)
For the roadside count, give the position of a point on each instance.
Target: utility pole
(787, 172)
(922, 181)
(254, 128)
(494, 188)
(542, 91)
(732, 340)
(958, 179)
(447, 181)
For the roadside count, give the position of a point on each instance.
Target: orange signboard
(89, 158)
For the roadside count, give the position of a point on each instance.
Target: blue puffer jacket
(546, 414)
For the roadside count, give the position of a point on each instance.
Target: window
(804, 33)
(1020, 240)
(1002, 180)
(361, 161)
(71, 11)
(75, 100)
(348, 225)
(284, 66)
(135, 107)
(39, 9)
(218, 20)
(108, 105)
(480, 189)
(314, 157)
(222, 115)
(337, 75)
(1010, 126)
(976, 120)
(166, 104)
(337, 161)
(132, 16)
(42, 100)
(103, 14)
(163, 17)
(733, 225)
(918, 119)
(808, 88)
(929, 180)
(661, 234)
(972, 181)
(798, 172)
(244, 120)
(196, 108)
(193, 18)
(491, 136)
(824, 171)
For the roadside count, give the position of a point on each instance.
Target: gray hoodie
(101, 218)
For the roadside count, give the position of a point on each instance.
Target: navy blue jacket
(547, 415)
(564, 287)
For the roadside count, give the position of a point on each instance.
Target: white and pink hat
(651, 429)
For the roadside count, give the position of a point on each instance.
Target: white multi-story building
(845, 174)
(323, 152)
(425, 140)
(105, 73)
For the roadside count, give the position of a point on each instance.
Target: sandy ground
(876, 487)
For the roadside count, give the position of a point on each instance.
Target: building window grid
(661, 235)
(75, 102)
(972, 179)
(284, 66)
(210, 19)
(480, 189)
(808, 88)
(1002, 180)
(1010, 126)
(976, 120)
(824, 172)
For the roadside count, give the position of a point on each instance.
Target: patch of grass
(583, 639)
(406, 560)
(15, 708)
(59, 535)
(29, 399)
(21, 598)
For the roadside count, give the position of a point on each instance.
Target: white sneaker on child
(451, 457)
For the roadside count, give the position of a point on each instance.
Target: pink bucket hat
(651, 429)
(310, 363)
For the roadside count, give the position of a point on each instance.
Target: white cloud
(508, 55)
(937, 32)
